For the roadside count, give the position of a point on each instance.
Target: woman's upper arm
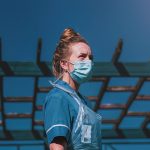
(57, 118)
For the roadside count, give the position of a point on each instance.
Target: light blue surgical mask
(82, 71)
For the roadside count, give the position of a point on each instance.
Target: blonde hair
(68, 37)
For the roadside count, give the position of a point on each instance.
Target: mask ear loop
(59, 77)
(63, 73)
(56, 79)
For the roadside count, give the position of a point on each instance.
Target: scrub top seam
(57, 125)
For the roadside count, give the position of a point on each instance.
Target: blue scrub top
(60, 112)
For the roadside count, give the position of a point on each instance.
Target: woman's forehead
(80, 48)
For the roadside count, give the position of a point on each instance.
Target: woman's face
(79, 52)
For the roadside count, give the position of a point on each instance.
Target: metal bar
(146, 132)
(6, 68)
(45, 69)
(112, 106)
(147, 79)
(120, 89)
(92, 98)
(96, 78)
(101, 94)
(42, 65)
(120, 133)
(142, 97)
(0, 49)
(110, 121)
(38, 122)
(117, 52)
(121, 69)
(126, 141)
(3, 122)
(130, 101)
(38, 51)
(18, 115)
(37, 135)
(44, 89)
(138, 114)
(145, 122)
(21, 143)
(18, 99)
(39, 46)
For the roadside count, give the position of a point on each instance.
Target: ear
(64, 65)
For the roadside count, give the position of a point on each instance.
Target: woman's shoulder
(56, 94)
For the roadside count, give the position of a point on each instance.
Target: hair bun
(68, 34)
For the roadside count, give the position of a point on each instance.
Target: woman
(69, 122)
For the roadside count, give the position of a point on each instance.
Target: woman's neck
(66, 77)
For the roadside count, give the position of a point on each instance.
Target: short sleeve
(57, 120)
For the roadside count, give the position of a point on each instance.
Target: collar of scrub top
(63, 85)
(67, 88)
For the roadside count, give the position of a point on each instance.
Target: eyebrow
(90, 56)
(83, 53)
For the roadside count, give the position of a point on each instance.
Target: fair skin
(79, 51)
